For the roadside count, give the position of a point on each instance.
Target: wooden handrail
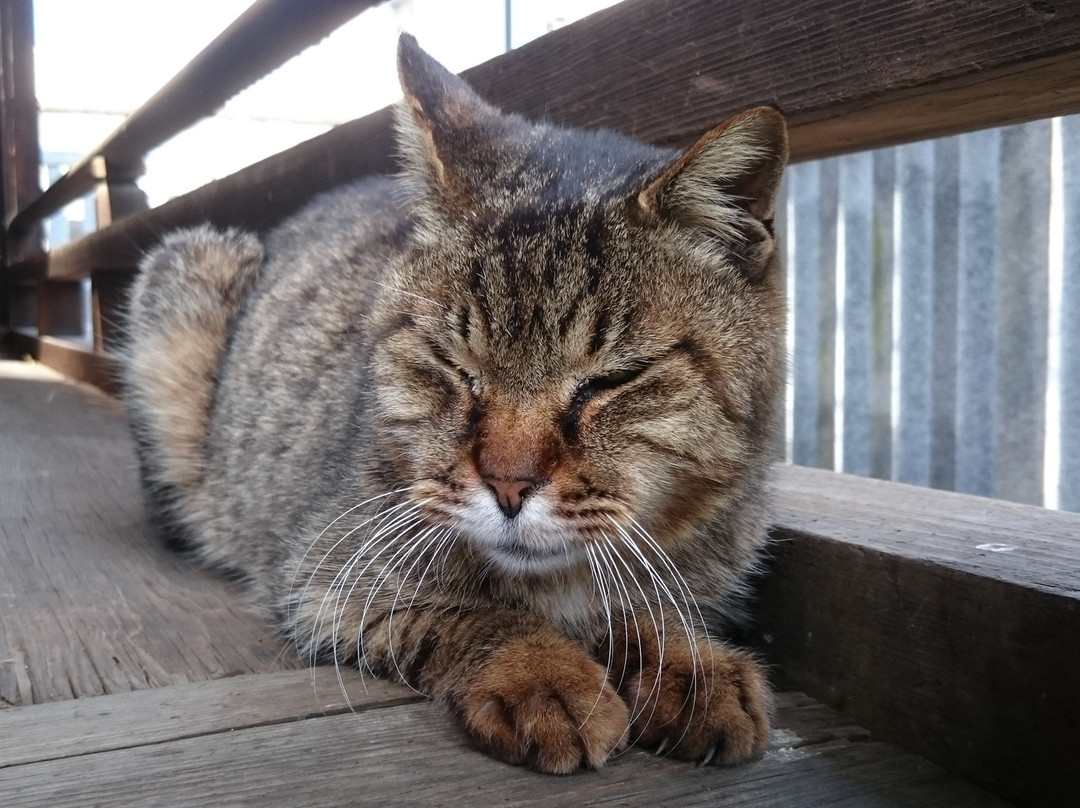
(262, 38)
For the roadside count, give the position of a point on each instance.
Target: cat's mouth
(521, 557)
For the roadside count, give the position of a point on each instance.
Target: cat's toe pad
(549, 709)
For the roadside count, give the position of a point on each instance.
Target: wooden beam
(265, 36)
(849, 75)
(255, 198)
(904, 69)
(942, 622)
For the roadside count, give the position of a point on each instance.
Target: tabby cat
(497, 428)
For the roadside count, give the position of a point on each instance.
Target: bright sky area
(96, 62)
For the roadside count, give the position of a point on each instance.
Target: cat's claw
(710, 753)
(713, 712)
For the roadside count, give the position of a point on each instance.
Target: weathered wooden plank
(855, 341)
(942, 622)
(90, 602)
(1021, 326)
(413, 755)
(265, 36)
(65, 729)
(850, 75)
(803, 242)
(914, 330)
(946, 281)
(882, 269)
(1069, 351)
(980, 185)
(666, 73)
(1018, 544)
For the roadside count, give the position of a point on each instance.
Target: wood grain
(90, 602)
(411, 754)
(666, 72)
(65, 729)
(945, 623)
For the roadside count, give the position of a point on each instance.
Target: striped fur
(497, 428)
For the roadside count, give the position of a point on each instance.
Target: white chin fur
(529, 544)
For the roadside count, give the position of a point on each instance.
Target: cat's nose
(510, 494)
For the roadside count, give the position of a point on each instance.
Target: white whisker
(659, 627)
(685, 618)
(439, 533)
(605, 599)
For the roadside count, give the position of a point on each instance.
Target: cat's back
(293, 370)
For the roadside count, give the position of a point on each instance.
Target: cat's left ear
(725, 185)
(440, 123)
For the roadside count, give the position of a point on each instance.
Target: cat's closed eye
(609, 381)
(588, 389)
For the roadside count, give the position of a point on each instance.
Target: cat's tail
(182, 305)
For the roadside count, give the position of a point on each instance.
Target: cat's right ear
(439, 118)
(724, 187)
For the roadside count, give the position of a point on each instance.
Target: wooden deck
(129, 677)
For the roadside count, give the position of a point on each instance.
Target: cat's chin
(521, 559)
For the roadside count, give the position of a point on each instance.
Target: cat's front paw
(712, 706)
(548, 707)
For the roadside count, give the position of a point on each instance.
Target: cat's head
(584, 343)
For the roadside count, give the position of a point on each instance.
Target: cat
(498, 428)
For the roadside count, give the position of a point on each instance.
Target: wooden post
(979, 194)
(914, 328)
(854, 247)
(18, 152)
(109, 297)
(19, 163)
(1069, 417)
(804, 262)
(117, 194)
(945, 203)
(60, 309)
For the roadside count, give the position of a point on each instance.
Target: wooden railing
(268, 34)
(849, 76)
